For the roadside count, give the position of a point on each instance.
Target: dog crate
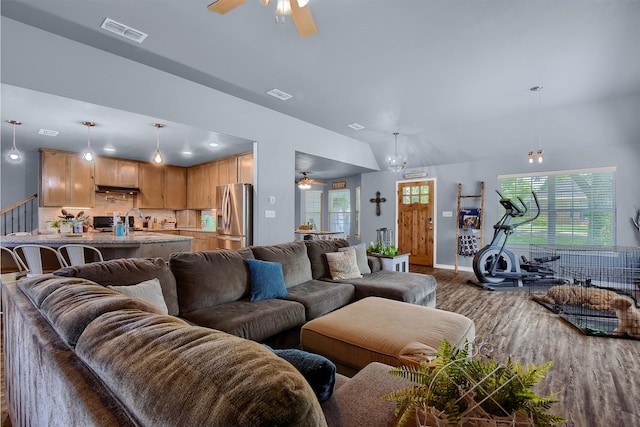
(601, 291)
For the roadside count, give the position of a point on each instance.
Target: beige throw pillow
(148, 290)
(361, 257)
(343, 265)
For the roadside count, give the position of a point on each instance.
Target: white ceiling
(448, 75)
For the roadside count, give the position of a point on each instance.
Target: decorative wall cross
(377, 201)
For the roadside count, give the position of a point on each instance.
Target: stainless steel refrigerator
(234, 215)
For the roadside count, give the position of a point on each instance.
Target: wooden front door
(415, 221)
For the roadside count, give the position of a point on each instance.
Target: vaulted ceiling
(448, 75)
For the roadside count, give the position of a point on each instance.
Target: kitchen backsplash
(103, 206)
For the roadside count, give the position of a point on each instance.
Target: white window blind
(577, 207)
(340, 211)
(313, 208)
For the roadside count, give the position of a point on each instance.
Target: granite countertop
(195, 230)
(136, 238)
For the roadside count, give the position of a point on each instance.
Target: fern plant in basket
(463, 389)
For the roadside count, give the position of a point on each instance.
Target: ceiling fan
(305, 182)
(298, 10)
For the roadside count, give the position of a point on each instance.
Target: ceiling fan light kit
(305, 182)
(300, 13)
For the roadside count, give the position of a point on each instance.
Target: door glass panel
(406, 190)
(424, 199)
(424, 189)
(415, 199)
(406, 200)
(415, 189)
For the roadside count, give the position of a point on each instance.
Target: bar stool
(38, 259)
(78, 254)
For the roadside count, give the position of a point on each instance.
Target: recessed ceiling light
(47, 132)
(277, 93)
(214, 144)
(356, 126)
(109, 149)
(123, 30)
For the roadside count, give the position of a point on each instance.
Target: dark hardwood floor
(597, 379)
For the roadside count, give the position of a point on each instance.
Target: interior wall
(81, 72)
(624, 157)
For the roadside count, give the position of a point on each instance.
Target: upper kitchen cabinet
(245, 168)
(199, 193)
(162, 187)
(174, 188)
(227, 170)
(116, 172)
(65, 180)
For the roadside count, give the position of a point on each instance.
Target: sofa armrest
(360, 398)
(374, 263)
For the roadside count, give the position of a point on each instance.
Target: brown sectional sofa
(78, 353)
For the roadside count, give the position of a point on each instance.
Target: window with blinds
(313, 208)
(577, 207)
(340, 211)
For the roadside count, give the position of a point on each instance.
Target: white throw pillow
(361, 257)
(343, 265)
(148, 290)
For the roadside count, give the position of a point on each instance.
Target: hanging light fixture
(14, 156)
(157, 156)
(88, 155)
(539, 153)
(395, 162)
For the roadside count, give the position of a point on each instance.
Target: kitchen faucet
(126, 219)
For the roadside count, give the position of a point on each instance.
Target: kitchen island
(135, 245)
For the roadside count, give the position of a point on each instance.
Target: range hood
(114, 189)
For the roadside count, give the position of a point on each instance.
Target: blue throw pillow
(319, 371)
(267, 280)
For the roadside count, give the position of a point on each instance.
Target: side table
(399, 262)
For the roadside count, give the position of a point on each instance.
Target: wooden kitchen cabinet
(116, 172)
(200, 240)
(162, 186)
(198, 187)
(174, 188)
(245, 168)
(214, 181)
(228, 170)
(65, 180)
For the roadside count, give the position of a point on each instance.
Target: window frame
(345, 214)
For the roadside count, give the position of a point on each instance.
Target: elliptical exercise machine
(496, 265)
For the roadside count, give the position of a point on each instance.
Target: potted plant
(380, 249)
(462, 389)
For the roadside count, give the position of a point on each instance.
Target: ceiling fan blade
(265, 2)
(303, 19)
(314, 182)
(224, 6)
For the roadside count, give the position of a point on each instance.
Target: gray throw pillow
(361, 257)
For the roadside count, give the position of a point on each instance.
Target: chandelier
(88, 155)
(395, 162)
(539, 153)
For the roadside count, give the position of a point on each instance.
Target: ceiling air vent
(277, 93)
(356, 126)
(123, 30)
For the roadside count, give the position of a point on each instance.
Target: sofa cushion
(129, 271)
(208, 377)
(37, 288)
(343, 265)
(316, 250)
(267, 280)
(255, 321)
(361, 257)
(320, 297)
(149, 290)
(209, 278)
(71, 308)
(414, 288)
(319, 371)
(293, 257)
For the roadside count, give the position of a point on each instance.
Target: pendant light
(395, 162)
(14, 156)
(539, 153)
(157, 156)
(88, 155)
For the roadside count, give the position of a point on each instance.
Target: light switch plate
(447, 214)
(269, 213)
(272, 199)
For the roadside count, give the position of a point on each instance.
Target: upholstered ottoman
(381, 330)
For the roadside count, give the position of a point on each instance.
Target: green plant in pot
(461, 389)
(380, 249)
